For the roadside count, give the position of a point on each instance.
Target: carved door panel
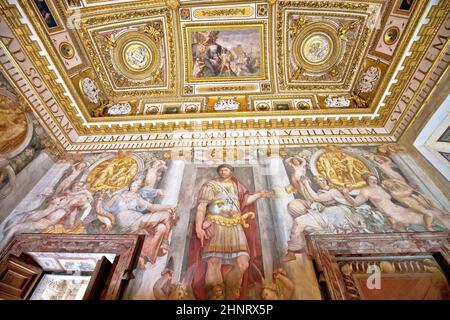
(17, 278)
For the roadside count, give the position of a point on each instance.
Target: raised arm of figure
(259, 195)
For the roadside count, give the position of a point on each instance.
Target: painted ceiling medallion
(391, 35)
(66, 50)
(137, 56)
(317, 47)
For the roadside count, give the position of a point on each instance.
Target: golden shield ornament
(113, 174)
(342, 169)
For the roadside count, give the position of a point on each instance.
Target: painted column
(25, 181)
(182, 231)
(301, 270)
(171, 182)
(277, 180)
(265, 226)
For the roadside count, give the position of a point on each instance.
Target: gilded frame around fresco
(188, 29)
(51, 11)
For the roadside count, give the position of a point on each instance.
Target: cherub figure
(164, 289)
(154, 172)
(282, 288)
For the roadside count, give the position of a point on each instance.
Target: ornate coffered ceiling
(104, 75)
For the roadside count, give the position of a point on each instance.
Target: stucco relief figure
(341, 168)
(386, 166)
(75, 172)
(415, 200)
(133, 213)
(225, 246)
(359, 102)
(369, 79)
(90, 90)
(326, 210)
(400, 217)
(64, 213)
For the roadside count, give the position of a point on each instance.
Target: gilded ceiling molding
(429, 59)
(173, 4)
(50, 69)
(299, 30)
(110, 23)
(281, 127)
(52, 119)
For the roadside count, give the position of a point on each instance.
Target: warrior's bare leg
(428, 221)
(233, 279)
(213, 274)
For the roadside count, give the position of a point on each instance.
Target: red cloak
(252, 233)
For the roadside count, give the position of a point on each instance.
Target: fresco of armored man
(225, 242)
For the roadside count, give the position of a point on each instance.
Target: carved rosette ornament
(173, 4)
